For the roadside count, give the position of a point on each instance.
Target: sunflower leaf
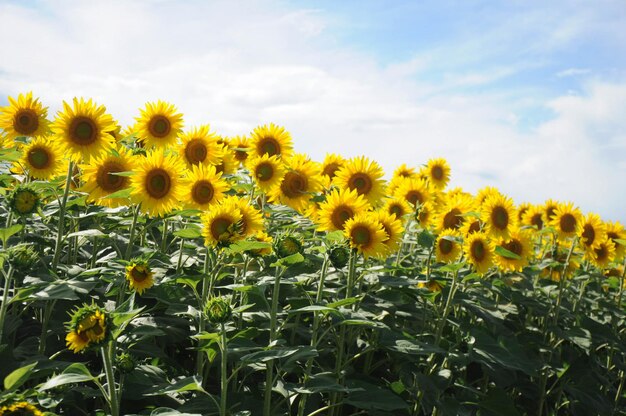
(6, 233)
(501, 251)
(189, 232)
(18, 377)
(124, 193)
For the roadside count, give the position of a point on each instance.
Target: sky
(526, 96)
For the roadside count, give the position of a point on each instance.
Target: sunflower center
(39, 158)
(158, 183)
(26, 122)
(601, 253)
(589, 234)
(361, 182)
(550, 211)
(397, 210)
(196, 151)
(477, 250)
(268, 146)
(415, 197)
(83, 131)
(514, 246)
(452, 219)
(139, 273)
(500, 218)
(474, 227)
(264, 172)
(106, 178)
(445, 246)
(340, 215)
(202, 192)
(536, 220)
(567, 223)
(361, 235)
(159, 126)
(293, 185)
(437, 173)
(219, 227)
(330, 170)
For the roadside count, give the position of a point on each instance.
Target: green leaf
(344, 302)
(620, 241)
(192, 383)
(241, 246)
(373, 397)
(18, 377)
(506, 253)
(452, 268)
(268, 355)
(289, 260)
(124, 193)
(189, 232)
(6, 233)
(75, 373)
(88, 233)
(128, 173)
(314, 308)
(335, 237)
(425, 239)
(498, 402)
(122, 318)
(397, 387)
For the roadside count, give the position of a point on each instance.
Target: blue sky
(528, 96)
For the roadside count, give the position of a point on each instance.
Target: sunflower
(240, 146)
(550, 207)
(156, 184)
(471, 225)
(340, 206)
(227, 165)
(24, 117)
(499, 216)
(479, 251)
(24, 200)
(614, 232)
(200, 146)
(520, 245)
(414, 191)
(203, 187)
(451, 215)
(401, 172)
(393, 228)
(521, 210)
(602, 254)
(364, 176)
(534, 217)
(262, 237)
(566, 220)
(42, 159)
(331, 164)
(398, 206)
(425, 215)
(432, 285)
(20, 409)
(560, 270)
(267, 171)
(89, 325)
(139, 275)
(301, 180)
(100, 179)
(159, 124)
(366, 234)
(221, 225)
(438, 171)
(271, 140)
(592, 231)
(251, 218)
(84, 130)
(447, 248)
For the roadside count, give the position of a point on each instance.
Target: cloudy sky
(528, 96)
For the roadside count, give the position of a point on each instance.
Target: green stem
(562, 282)
(446, 309)
(203, 299)
(5, 299)
(164, 236)
(269, 374)
(107, 353)
(57, 245)
(131, 237)
(224, 372)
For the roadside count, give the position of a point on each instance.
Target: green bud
(218, 310)
(125, 362)
(287, 245)
(22, 257)
(24, 200)
(339, 256)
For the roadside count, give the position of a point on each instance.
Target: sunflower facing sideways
(447, 247)
(366, 234)
(438, 172)
(499, 216)
(340, 206)
(83, 130)
(591, 231)
(301, 180)
(251, 218)
(139, 275)
(267, 171)
(203, 187)
(156, 184)
(158, 124)
(24, 117)
(602, 254)
(451, 214)
(479, 252)
(393, 228)
(20, 409)
(331, 164)
(200, 146)
(271, 140)
(100, 179)
(520, 245)
(364, 176)
(42, 159)
(89, 326)
(534, 217)
(617, 234)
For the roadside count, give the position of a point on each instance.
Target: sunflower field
(158, 269)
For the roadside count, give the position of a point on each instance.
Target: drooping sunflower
(393, 228)
(398, 206)
(479, 251)
(89, 326)
(100, 179)
(267, 171)
(451, 214)
(566, 220)
(83, 130)
(24, 117)
(591, 231)
(251, 218)
(438, 171)
(414, 191)
(20, 409)
(203, 187)
(42, 159)
(534, 217)
(157, 184)
(499, 216)
(366, 234)
(363, 175)
(221, 225)
(447, 247)
(615, 231)
(200, 146)
(519, 244)
(140, 276)
(602, 254)
(331, 164)
(272, 140)
(340, 206)
(159, 124)
(301, 180)
(240, 147)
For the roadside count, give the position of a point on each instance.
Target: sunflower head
(331, 164)
(591, 231)
(227, 165)
(22, 257)
(159, 124)
(393, 228)
(89, 326)
(617, 234)
(602, 254)
(499, 216)
(340, 206)
(266, 171)
(203, 187)
(366, 235)
(479, 251)
(125, 363)
(301, 180)
(413, 190)
(24, 200)
(339, 256)
(520, 246)
(20, 409)
(218, 310)
(221, 225)
(287, 245)
(25, 116)
(450, 216)
(448, 247)
(566, 220)
(139, 275)
(364, 176)
(42, 159)
(271, 140)
(550, 207)
(240, 147)
(251, 217)
(101, 179)
(261, 237)
(485, 193)
(431, 285)
(438, 172)
(534, 217)
(398, 207)
(200, 146)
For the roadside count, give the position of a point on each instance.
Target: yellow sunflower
(398, 206)
(200, 146)
(366, 234)
(301, 180)
(414, 191)
(479, 252)
(156, 184)
(364, 176)
(251, 218)
(221, 225)
(24, 117)
(84, 130)
(227, 165)
(521, 210)
(447, 248)
(340, 206)
(100, 180)
(534, 217)
(42, 159)
(485, 193)
(519, 244)
(591, 231)
(20, 409)
(267, 171)
(615, 231)
(240, 146)
(402, 172)
(550, 207)
(499, 216)
(271, 140)
(438, 171)
(331, 164)
(602, 254)
(262, 237)
(566, 220)
(555, 273)
(393, 228)
(139, 275)
(451, 215)
(203, 187)
(76, 342)
(426, 215)
(159, 124)
(471, 225)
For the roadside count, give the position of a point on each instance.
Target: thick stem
(107, 358)
(203, 299)
(5, 300)
(164, 236)
(57, 245)
(131, 237)
(269, 375)
(224, 372)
